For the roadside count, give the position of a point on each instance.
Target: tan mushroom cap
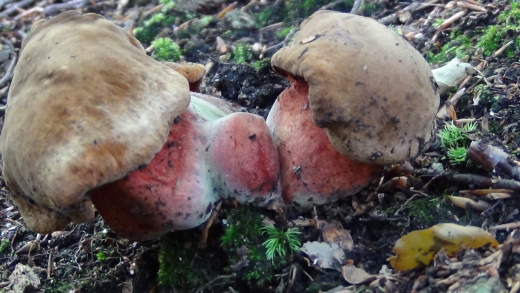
(371, 90)
(86, 106)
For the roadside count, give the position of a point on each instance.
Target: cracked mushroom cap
(373, 92)
(86, 106)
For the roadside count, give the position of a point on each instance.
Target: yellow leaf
(418, 248)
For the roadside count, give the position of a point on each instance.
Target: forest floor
(345, 245)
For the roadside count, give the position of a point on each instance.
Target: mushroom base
(313, 172)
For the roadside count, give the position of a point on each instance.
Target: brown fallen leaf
(418, 248)
(332, 234)
(463, 202)
(355, 275)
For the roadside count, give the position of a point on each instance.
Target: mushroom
(172, 192)
(86, 106)
(193, 72)
(312, 171)
(210, 153)
(362, 86)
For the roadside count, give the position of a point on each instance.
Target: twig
(278, 46)
(204, 234)
(273, 26)
(207, 285)
(403, 206)
(331, 5)
(4, 2)
(508, 226)
(73, 4)
(443, 111)
(502, 49)
(356, 6)
(447, 23)
(152, 11)
(475, 181)
(15, 7)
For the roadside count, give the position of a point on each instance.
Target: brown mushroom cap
(373, 92)
(86, 106)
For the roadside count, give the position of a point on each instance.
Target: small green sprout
(457, 156)
(101, 255)
(165, 49)
(454, 141)
(279, 241)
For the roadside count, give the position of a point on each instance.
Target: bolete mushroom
(361, 85)
(86, 106)
(210, 153)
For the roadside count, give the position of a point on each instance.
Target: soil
(90, 257)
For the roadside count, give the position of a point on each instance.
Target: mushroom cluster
(93, 121)
(211, 152)
(105, 124)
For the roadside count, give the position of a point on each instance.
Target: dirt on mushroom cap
(86, 106)
(370, 89)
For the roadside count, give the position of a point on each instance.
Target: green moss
(182, 265)
(294, 11)
(242, 241)
(244, 227)
(459, 46)
(486, 98)
(165, 49)
(4, 245)
(258, 65)
(436, 23)
(505, 30)
(241, 54)
(426, 212)
(101, 255)
(281, 34)
(490, 40)
(263, 17)
(155, 23)
(194, 27)
(462, 43)
(168, 5)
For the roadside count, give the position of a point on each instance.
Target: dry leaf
(324, 255)
(451, 74)
(463, 202)
(332, 234)
(355, 275)
(418, 248)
